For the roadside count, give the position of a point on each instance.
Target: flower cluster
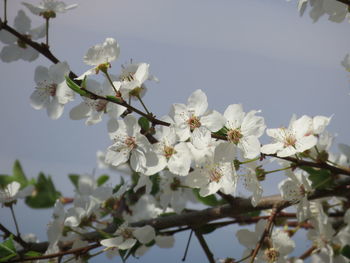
(192, 154)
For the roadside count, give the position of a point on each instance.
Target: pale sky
(258, 53)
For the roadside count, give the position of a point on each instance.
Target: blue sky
(258, 53)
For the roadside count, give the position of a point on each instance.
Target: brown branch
(298, 162)
(241, 206)
(41, 48)
(76, 251)
(204, 246)
(266, 232)
(346, 2)
(44, 50)
(16, 238)
(308, 253)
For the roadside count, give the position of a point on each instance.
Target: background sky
(258, 53)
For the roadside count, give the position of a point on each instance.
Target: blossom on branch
(100, 56)
(49, 8)
(15, 48)
(52, 91)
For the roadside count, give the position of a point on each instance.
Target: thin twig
(266, 232)
(187, 246)
(16, 238)
(205, 246)
(5, 11)
(308, 252)
(15, 220)
(77, 251)
(47, 31)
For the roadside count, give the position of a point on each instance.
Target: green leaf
(46, 193)
(114, 99)
(102, 179)
(18, 174)
(5, 180)
(7, 250)
(345, 251)
(222, 132)
(74, 178)
(144, 123)
(155, 184)
(32, 254)
(75, 87)
(209, 200)
(320, 179)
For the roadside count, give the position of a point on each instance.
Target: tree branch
(76, 251)
(204, 245)
(16, 238)
(240, 206)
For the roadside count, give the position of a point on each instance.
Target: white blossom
(297, 138)
(101, 54)
(12, 192)
(217, 173)
(93, 109)
(128, 143)
(126, 237)
(194, 115)
(244, 129)
(49, 6)
(52, 91)
(15, 48)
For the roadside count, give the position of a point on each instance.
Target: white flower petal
(144, 234)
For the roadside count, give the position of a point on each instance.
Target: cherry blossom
(12, 192)
(100, 56)
(49, 6)
(244, 129)
(128, 142)
(217, 173)
(126, 237)
(52, 91)
(93, 109)
(15, 48)
(194, 115)
(288, 141)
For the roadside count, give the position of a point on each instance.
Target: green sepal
(144, 123)
(155, 179)
(102, 179)
(18, 174)
(320, 179)
(45, 193)
(74, 178)
(209, 200)
(75, 87)
(345, 251)
(7, 250)
(5, 180)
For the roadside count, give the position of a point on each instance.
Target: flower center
(101, 105)
(271, 254)
(234, 135)
(215, 174)
(194, 122)
(290, 140)
(127, 76)
(127, 233)
(168, 151)
(52, 89)
(130, 142)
